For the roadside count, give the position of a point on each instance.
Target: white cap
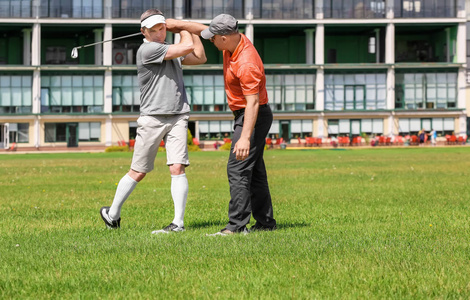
(153, 20)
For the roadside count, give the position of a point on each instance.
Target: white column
(462, 124)
(320, 127)
(461, 95)
(109, 131)
(309, 50)
(108, 92)
(320, 90)
(27, 46)
(36, 45)
(37, 132)
(36, 92)
(390, 126)
(390, 88)
(390, 44)
(249, 32)
(461, 43)
(319, 15)
(108, 47)
(98, 47)
(320, 45)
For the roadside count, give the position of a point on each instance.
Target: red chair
(318, 141)
(279, 141)
(453, 139)
(382, 140)
(12, 147)
(227, 140)
(388, 141)
(414, 140)
(162, 143)
(196, 142)
(448, 139)
(309, 141)
(398, 140)
(269, 142)
(346, 141)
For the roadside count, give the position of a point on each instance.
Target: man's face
(218, 41)
(155, 34)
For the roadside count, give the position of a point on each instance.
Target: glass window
(19, 132)
(425, 90)
(291, 92)
(345, 91)
(425, 9)
(71, 9)
(206, 92)
(15, 94)
(89, 131)
(283, 9)
(301, 128)
(354, 9)
(215, 130)
(133, 9)
(208, 9)
(72, 94)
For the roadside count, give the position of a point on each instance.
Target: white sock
(179, 192)
(124, 189)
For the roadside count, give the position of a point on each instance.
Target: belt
(238, 113)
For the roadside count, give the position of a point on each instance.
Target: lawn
(369, 223)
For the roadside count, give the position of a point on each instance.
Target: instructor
(245, 86)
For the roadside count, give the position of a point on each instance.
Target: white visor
(152, 21)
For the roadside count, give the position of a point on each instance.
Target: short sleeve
(154, 53)
(250, 77)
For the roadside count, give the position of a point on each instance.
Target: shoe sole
(106, 221)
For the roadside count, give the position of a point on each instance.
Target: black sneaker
(107, 220)
(170, 228)
(259, 227)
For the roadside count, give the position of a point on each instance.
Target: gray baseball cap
(222, 25)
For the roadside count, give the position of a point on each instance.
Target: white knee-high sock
(179, 192)
(124, 189)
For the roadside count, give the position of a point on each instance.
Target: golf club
(74, 53)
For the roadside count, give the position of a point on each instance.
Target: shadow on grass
(282, 225)
(221, 224)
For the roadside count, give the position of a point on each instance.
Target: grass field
(371, 223)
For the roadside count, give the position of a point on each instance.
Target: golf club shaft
(118, 38)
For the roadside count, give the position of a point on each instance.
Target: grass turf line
(377, 223)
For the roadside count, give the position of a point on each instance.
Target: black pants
(249, 189)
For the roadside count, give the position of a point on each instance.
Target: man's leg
(261, 204)
(179, 192)
(124, 189)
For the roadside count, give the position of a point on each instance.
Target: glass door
(72, 136)
(4, 136)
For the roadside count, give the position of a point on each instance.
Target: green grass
(372, 223)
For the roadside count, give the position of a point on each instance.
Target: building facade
(334, 68)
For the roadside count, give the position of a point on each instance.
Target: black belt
(238, 113)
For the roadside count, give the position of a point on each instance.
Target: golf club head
(74, 53)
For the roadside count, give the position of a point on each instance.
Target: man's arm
(177, 25)
(198, 56)
(242, 147)
(184, 47)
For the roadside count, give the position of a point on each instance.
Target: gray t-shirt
(161, 81)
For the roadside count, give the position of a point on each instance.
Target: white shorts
(150, 132)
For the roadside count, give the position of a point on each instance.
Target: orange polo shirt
(244, 75)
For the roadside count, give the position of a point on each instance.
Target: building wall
(302, 47)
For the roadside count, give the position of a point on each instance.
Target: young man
(164, 114)
(245, 86)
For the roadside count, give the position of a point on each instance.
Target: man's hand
(172, 25)
(242, 149)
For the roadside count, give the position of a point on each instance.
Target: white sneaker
(170, 228)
